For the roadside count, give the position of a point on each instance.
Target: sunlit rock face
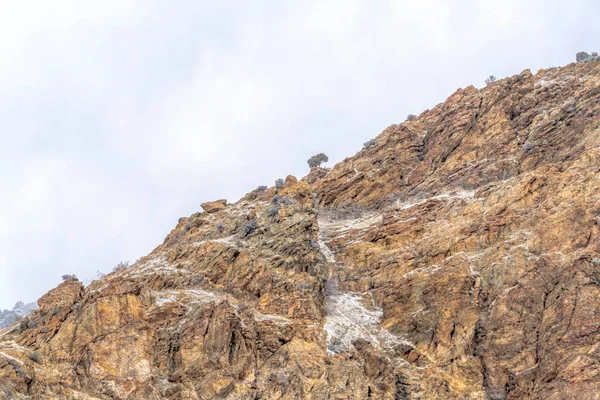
(456, 257)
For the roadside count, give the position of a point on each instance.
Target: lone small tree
(317, 160)
(69, 277)
(490, 79)
(411, 117)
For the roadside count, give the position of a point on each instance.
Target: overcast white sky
(118, 117)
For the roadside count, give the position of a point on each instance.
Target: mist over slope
(20, 310)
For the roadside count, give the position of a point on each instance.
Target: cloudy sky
(117, 117)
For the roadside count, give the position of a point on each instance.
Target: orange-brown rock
(214, 206)
(315, 174)
(457, 258)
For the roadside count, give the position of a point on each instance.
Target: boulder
(214, 206)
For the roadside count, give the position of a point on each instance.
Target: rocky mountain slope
(456, 258)
(20, 310)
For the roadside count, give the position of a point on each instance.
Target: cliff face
(458, 257)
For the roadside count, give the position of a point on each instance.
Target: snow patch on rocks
(342, 226)
(466, 195)
(351, 316)
(348, 319)
(188, 297)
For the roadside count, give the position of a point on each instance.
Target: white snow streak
(349, 319)
(463, 195)
(196, 296)
(199, 297)
(351, 316)
(11, 358)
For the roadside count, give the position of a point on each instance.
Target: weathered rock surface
(458, 258)
(214, 206)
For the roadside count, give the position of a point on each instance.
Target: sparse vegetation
(570, 106)
(411, 117)
(303, 286)
(317, 160)
(273, 211)
(187, 226)
(35, 357)
(594, 276)
(370, 143)
(345, 212)
(527, 147)
(26, 323)
(250, 227)
(279, 183)
(230, 287)
(220, 227)
(196, 280)
(69, 277)
(261, 188)
(277, 199)
(279, 378)
(121, 266)
(490, 79)
(335, 346)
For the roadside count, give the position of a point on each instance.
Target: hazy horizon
(121, 117)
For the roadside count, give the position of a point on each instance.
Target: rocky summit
(457, 256)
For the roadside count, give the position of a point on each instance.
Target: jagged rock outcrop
(214, 206)
(458, 257)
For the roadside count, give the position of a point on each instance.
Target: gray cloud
(119, 117)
